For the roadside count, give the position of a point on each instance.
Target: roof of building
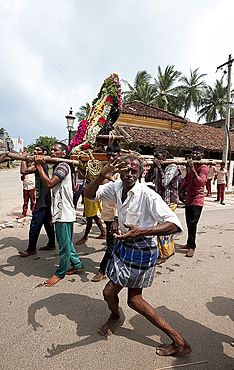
(211, 138)
(139, 108)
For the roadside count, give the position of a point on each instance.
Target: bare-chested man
(133, 261)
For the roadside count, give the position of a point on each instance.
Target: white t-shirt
(143, 207)
(221, 176)
(62, 196)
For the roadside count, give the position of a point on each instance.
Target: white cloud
(56, 54)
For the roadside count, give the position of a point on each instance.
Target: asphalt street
(56, 327)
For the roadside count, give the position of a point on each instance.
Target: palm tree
(192, 90)
(214, 102)
(141, 90)
(83, 112)
(166, 94)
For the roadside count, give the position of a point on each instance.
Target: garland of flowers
(78, 138)
(109, 94)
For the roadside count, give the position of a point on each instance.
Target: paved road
(50, 328)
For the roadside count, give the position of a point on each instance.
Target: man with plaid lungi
(133, 261)
(165, 178)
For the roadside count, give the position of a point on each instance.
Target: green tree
(166, 93)
(83, 112)
(214, 102)
(45, 140)
(192, 90)
(141, 90)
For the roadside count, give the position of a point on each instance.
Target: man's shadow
(90, 313)
(43, 263)
(222, 306)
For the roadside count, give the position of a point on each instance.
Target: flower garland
(78, 138)
(109, 94)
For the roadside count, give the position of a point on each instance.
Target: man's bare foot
(161, 260)
(190, 253)
(183, 247)
(27, 253)
(81, 241)
(46, 248)
(74, 271)
(51, 281)
(19, 217)
(98, 277)
(110, 326)
(102, 236)
(170, 349)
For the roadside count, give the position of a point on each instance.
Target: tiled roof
(211, 138)
(139, 108)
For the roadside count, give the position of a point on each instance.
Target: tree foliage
(192, 90)
(214, 102)
(83, 111)
(45, 140)
(175, 92)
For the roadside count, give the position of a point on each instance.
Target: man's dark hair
(163, 151)
(63, 147)
(198, 148)
(134, 157)
(113, 148)
(223, 163)
(45, 148)
(188, 154)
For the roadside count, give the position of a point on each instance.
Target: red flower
(109, 99)
(86, 146)
(102, 120)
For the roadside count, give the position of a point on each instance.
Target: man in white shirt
(221, 177)
(133, 261)
(63, 212)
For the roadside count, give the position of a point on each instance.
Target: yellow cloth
(166, 243)
(92, 209)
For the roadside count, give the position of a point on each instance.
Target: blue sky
(56, 54)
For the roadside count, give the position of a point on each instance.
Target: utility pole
(227, 119)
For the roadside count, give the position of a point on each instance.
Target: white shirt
(143, 207)
(62, 196)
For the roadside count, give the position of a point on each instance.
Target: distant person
(42, 211)
(28, 188)
(221, 177)
(110, 217)
(79, 185)
(210, 177)
(63, 212)
(165, 178)
(182, 173)
(92, 210)
(194, 182)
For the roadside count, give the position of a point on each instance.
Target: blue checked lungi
(133, 264)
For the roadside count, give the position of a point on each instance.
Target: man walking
(194, 182)
(63, 212)
(165, 178)
(133, 261)
(42, 211)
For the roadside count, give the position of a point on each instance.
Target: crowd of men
(140, 222)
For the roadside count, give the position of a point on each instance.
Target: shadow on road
(89, 314)
(44, 263)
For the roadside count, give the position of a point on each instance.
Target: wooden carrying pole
(181, 162)
(147, 160)
(30, 158)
